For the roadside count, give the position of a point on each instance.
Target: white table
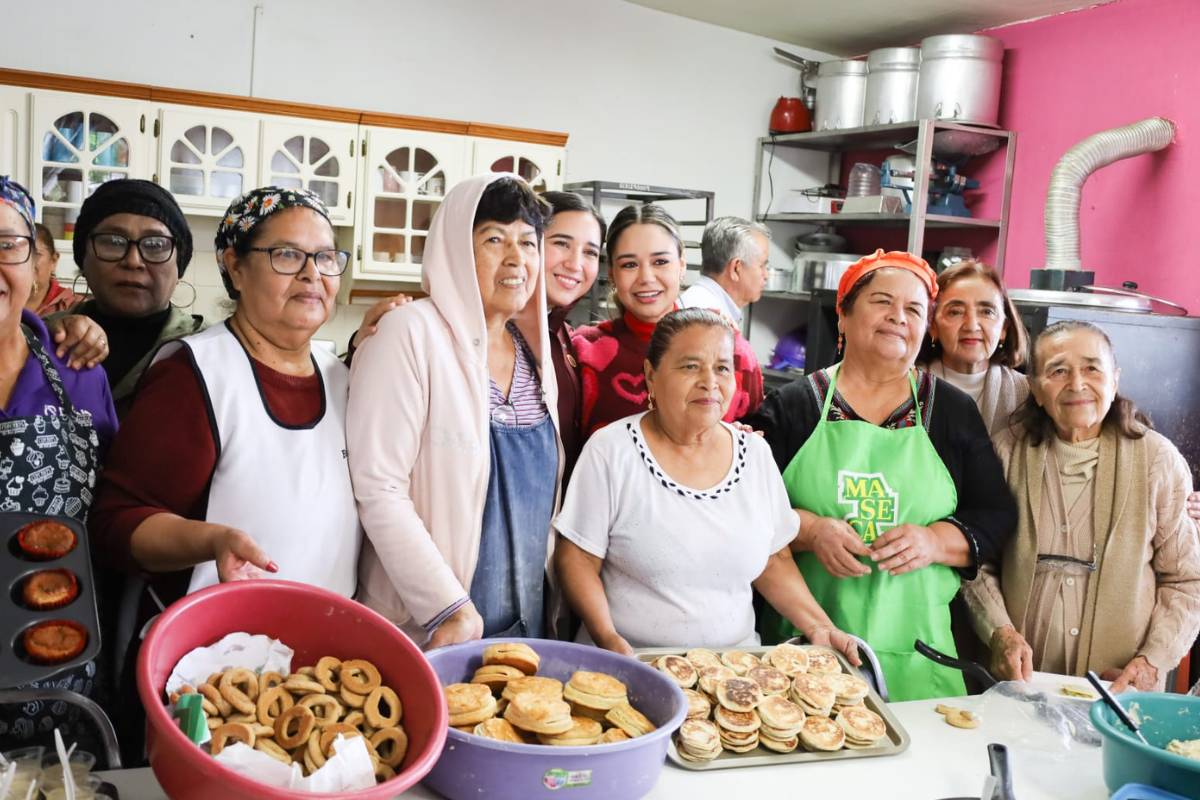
(941, 762)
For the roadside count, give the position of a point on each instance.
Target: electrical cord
(770, 180)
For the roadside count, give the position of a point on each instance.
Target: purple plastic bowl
(472, 766)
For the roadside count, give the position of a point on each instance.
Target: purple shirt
(86, 388)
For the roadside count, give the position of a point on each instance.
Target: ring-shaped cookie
(352, 700)
(276, 752)
(326, 709)
(272, 703)
(330, 733)
(377, 701)
(303, 717)
(231, 732)
(302, 684)
(268, 680)
(314, 748)
(328, 673)
(390, 744)
(213, 695)
(383, 772)
(360, 676)
(240, 688)
(356, 718)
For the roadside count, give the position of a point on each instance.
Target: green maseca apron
(876, 479)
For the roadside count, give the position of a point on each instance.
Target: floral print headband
(255, 206)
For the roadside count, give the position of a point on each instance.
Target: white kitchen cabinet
(207, 158)
(76, 143)
(540, 165)
(320, 157)
(14, 141)
(405, 176)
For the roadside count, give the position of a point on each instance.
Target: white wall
(645, 96)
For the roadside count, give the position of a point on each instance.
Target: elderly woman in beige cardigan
(1104, 572)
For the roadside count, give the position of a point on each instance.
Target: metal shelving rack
(598, 191)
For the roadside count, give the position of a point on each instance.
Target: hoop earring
(87, 290)
(33, 290)
(650, 401)
(188, 304)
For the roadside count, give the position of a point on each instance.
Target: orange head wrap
(880, 260)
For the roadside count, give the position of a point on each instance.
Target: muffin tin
(15, 617)
(895, 742)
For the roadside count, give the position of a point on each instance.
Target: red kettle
(790, 116)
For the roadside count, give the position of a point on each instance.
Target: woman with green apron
(899, 491)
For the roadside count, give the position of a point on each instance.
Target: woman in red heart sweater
(645, 267)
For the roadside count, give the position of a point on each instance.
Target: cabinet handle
(142, 124)
(352, 148)
(360, 252)
(364, 148)
(154, 177)
(155, 129)
(347, 199)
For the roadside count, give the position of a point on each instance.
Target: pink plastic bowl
(314, 623)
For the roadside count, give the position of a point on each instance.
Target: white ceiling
(852, 27)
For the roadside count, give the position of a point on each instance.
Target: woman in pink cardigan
(451, 429)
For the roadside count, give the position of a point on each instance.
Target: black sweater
(986, 512)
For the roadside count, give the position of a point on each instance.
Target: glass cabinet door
(79, 142)
(207, 159)
(406, 175)
(322, 158)
(539, 165)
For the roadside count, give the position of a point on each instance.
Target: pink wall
(1069, 76)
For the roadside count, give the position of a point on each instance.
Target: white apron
(288, 487)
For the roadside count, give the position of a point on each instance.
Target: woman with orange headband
(899, 492)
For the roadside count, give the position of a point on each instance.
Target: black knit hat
(133, 197)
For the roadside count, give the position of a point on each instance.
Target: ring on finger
(103, 343)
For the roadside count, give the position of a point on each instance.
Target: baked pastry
(812, 694)
(583, 732)
(823, 662)
(709, 677)
(781, 718)
(698, 740)
(701, 657)
(736, 721)
(542, 687)
(614, 735)
(55, 641)
(592, 694)
(822, 733)
(778, 745)
(769, 680)
(849, 690)
(739, 661)
(46, 539)
(50, 588)
(678, 669)
(789, 659)
(469, 703)
(738, 694)
(537, 714)
(513, 654)
(499, 729)
(630, 720)
(863, 727)
(738, 742)
(699, 706)
(496, 676)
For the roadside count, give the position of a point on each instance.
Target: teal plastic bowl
(1162, 717)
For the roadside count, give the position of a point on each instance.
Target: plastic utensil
(1112, 703)
(191, 717)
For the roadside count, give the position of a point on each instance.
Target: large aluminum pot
(841, 89)
(820, 270)
(960, 79)
(891, 85)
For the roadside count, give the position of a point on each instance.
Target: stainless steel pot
(891, 94)
(780, 279)
(960, 79)
(820, 270)
(841, 90)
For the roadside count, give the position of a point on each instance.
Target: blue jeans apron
(508, 581)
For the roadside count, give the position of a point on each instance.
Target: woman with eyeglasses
(1104, 570)
(188, 504)
(133, 245)
(55, 425)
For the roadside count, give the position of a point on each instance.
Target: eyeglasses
(15, 249)
(1061, 562)
(114, 247)
(291, 260)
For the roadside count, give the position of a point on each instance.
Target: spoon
(1112, 703)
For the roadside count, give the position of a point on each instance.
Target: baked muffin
(45, 540)
(55, 641)
(50, 588)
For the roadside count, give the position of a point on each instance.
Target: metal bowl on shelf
(820, 270)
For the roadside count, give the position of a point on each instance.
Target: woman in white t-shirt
(646, 557)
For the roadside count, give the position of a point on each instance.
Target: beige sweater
(1003, 390)
(1144, 599)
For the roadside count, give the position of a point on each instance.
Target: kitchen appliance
(789, 116)
(960, 79)
(820, 270)
(841, 91)
(946, 186)
(808, 78)
(1164, 717)
(827, 199)
(891, 94)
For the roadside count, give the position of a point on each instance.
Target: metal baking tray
(15, 669)
(895, 743)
